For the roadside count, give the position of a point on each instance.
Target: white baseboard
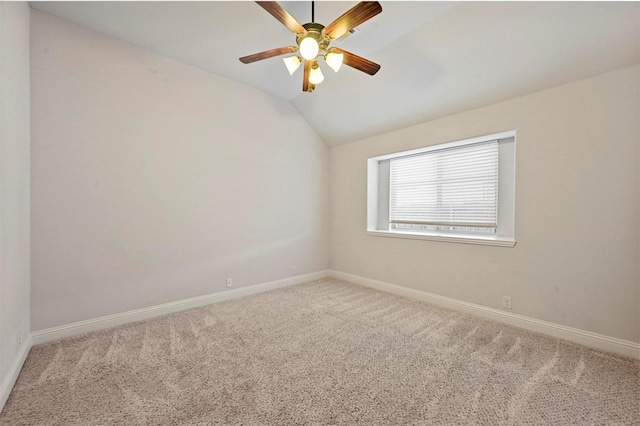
(14, 371)
(586, 338)
(88, 326)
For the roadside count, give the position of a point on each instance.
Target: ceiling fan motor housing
(315, 31)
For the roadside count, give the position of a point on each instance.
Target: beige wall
(14, 184)
(576, 258)
(154, 181)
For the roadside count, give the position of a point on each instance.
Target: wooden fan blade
(283, 16)
(305, 77)
(353, 17)
(358, 62)
(268, 54)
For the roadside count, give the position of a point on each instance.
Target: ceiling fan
(313, 41)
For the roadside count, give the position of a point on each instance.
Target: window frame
(378, 195)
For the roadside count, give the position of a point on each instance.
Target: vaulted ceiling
(437, 58)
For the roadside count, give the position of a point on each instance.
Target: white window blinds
(449, 189)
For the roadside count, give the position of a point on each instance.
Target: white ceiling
(437, 58)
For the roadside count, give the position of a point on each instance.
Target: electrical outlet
(229, 282)
(506, 302)
(294, 270)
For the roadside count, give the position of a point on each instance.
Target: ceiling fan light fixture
(292, 63)
(313, 40)
(309, 48)
(316, 76)
(334, 60)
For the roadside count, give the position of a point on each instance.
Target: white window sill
(487, 241)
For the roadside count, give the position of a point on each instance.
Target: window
(460, 191)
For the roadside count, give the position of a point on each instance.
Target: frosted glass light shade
(292, 63)
(309, 48)
(334, 60)
(316, 76)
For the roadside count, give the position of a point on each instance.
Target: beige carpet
(325, 352)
